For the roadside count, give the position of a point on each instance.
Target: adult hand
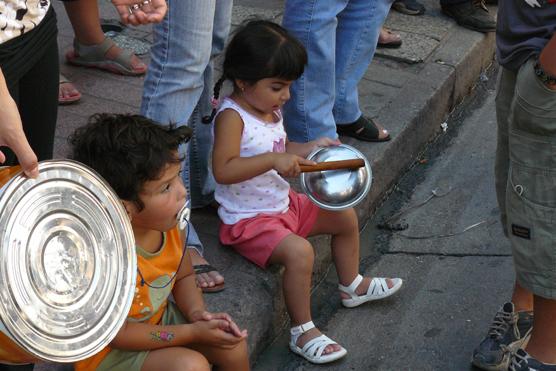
(12, 135)
(137, 12)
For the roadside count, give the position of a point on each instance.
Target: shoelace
(480, 4)
(500, 324)
(516, 362)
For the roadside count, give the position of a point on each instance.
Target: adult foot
(106, 56)
(472, 14)
(388, 39)
(67, 92)
(365, 129)
(207, 277)
(409, 7)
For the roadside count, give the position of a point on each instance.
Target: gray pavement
(410, 90)
(453, 285)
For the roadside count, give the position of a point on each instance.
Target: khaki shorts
(121, 360)
(530, 194)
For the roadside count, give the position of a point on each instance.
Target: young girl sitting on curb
(140, 160)
(262, 218)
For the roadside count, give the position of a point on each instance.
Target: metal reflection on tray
(67, 262)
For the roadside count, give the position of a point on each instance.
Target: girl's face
(163, 199)
(266, 95)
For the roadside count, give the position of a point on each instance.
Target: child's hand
(233, 328)
(215, 332)
(287, 164)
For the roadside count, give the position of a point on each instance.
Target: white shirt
(267, 193)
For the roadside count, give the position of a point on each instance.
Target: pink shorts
(256, 238)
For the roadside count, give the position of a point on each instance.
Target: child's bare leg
(297, 256)
(175, 359)
(344, 228)
(226, 359)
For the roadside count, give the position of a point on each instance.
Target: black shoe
(410, 7)
(472, 14)
(509, 331)
(521, 361)
(365, 129)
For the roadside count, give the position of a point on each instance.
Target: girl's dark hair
(127, 150)
(261, 49)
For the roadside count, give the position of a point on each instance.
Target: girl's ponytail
(214, 100)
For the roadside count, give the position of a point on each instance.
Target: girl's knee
(300, 256)
(191, 361)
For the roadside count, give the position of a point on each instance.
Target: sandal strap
(93, 52)
(377, 286)
(301, 329)
(350, 290)
(316, 346)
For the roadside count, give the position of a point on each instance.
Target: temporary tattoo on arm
(162, 335)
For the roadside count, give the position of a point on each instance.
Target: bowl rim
(356, 200)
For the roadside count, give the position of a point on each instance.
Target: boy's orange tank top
(151, 290)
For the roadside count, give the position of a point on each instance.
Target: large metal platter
(67, 262)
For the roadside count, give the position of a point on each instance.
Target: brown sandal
(388, 39)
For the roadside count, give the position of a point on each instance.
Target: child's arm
(303, 149)
(227, 165)
(139, 336)
(189, 299)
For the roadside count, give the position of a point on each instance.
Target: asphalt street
(453, 257)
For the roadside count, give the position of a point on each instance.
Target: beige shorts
(530, 194)
(121, 360)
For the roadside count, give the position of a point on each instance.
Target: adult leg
(511, 326)
(308, 113)
(531, 205)
(85, 20)
(180, 56)
(356, 39)
(37, 100)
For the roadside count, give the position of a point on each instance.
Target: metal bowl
(337, 189)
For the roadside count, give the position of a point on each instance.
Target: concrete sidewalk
(410, 90)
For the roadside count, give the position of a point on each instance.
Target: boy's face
(163, 199)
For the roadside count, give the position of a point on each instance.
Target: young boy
(140, 160)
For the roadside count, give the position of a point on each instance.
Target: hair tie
(214, 102)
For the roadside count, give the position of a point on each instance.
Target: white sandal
(312, 350)
(378, 289)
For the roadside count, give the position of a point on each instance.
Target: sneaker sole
(521, 343)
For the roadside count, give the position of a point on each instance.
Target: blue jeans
(178, 85)
(340, 37)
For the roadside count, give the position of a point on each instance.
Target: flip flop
(62, 100)
(94, 56)
(206, 268)
(388, 39)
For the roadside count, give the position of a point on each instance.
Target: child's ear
(240, 84)
(129, 207)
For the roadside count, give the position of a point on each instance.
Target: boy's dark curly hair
(127, 150)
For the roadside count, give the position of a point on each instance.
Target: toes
(202, 280)
(216, 278)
